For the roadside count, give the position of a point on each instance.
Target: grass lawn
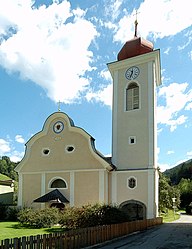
(170, 216)
(14, 229)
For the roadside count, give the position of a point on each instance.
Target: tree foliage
(183, 170)
(166, 193)
(7, 168)
(185, 186)
(181, 178)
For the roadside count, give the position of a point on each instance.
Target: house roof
(5, 180)
(52, 196)
(134, 47)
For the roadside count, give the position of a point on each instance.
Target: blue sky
(54, 51)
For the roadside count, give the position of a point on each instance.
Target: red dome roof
(134, 47)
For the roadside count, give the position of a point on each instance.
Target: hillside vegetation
(7, 168)
(183, 170)
(4, 177)
(180, 177)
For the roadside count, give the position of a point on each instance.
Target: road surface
(173, 235)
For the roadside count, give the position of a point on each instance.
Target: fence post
(16, 243)
(6, 245)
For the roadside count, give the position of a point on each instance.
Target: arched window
(58, 183)
(132, 97)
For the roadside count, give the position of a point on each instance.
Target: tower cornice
(137, 60)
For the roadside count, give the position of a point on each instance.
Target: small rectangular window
(132, 140)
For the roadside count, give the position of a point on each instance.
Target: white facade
(134, 132)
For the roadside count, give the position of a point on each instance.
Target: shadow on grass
(54, 229)
(20, 226)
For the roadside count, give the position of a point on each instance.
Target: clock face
(132, 73)
(58, 127)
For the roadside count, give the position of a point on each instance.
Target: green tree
(185, 186)
(166, 193)
(7, 168)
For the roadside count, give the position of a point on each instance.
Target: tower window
(132, 140)
(132, 97)
(132, 182)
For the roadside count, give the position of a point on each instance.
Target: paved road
(173, 235)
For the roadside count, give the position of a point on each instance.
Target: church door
(136, 210)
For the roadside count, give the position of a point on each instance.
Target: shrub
(8, 212)
(3, 211)
(111, 215)
(92, 215)
(39, 218)
(12, 213)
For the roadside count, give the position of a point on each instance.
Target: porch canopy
(54, 195)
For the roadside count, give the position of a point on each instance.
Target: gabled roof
(52, 196)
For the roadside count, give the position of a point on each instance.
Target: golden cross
(136, 22)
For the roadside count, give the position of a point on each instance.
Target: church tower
(135, 75)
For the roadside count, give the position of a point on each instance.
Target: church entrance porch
(136, 210)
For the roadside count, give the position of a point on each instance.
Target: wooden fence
(80, 238)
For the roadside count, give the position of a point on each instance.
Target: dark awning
(54, 195)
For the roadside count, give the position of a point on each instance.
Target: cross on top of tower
(136, 23)
(135, 46)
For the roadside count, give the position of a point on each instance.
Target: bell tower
(136, 74)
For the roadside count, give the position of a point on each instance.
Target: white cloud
(189, 36)
(179, 162)
(112, 8)
(159, 18)
(167, 50)
(169, 152)
(164, 167)
(189, 106)
(176, 97)
(16, 156)
(163, 15)
(7, 149)
(4, 147)
(19, 139)
(104, 95)
(106, 75)
(42, 46)
(189, 153)
(123, 32)
(174, 123)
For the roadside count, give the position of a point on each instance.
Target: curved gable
(61, 146)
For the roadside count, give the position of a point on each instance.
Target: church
(62, 165)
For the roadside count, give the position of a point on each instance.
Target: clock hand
(131, 72)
